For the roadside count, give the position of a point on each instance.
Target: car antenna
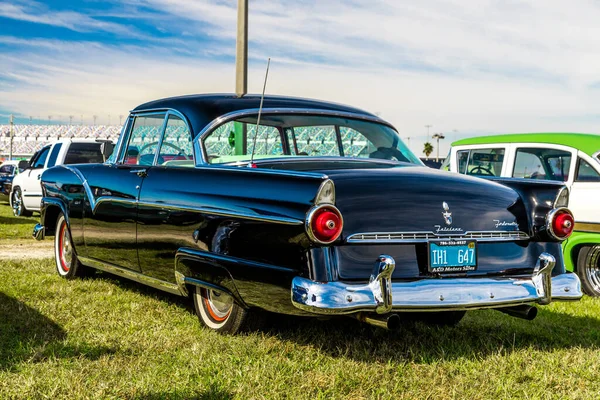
(262, 98)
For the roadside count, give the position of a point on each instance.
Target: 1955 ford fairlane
(305, 208)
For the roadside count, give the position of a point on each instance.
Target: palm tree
(427, 149)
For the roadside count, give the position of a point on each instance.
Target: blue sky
(465, 67)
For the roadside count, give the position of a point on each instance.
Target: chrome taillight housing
(324, 224)
(560, 223)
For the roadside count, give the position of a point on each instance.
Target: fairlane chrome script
(499, 223)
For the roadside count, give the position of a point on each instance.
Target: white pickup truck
(26, 191)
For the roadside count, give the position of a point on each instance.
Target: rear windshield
(6, 169)
(297, 135)
(84, 153)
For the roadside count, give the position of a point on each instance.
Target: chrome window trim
(151, 111)
(425, 236)
(199, 139)
(177, 114)
(125, 142)
(596, 156)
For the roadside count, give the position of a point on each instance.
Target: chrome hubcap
(219, 303)
(592, 268)
(17, 202)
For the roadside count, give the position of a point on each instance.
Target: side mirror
(24, 164)
(106, 148)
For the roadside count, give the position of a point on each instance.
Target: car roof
(585, 142)
(201, 109)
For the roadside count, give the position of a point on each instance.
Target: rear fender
(572, 246)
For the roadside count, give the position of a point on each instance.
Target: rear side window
(544, 164)
(481, 162)
(54, 155)
(585, 172)
(84, 153)
(40, 160)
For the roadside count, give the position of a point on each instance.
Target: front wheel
(219, 312)
(18, 207)
(588, 269)
(67, 264)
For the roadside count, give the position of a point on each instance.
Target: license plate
(452, 256)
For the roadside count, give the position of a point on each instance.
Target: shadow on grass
(212, 393)
(480, 334)
(27, 335)
(17, 221)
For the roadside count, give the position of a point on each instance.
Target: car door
(31, 187)
(164, 215)
(585, 189)
(110, 218)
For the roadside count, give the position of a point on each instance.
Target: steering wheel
(479, 170)
(144, 157)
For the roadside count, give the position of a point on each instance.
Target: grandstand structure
(27, 139)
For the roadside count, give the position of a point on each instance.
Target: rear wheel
(67, 264)
(441, 318)
(219, 312)
(18, 206)
(588, 269)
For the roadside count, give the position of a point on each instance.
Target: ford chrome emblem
(447, 214)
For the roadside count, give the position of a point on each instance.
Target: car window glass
(586, 173)
(82, 153)
(176, 148)
(143, 141)
(6, 169)
(234, 139)
(40, 161)
(545, 164)
(355, 144)
(316, 141)
(462, 158)
(485, 162)
(54, 155)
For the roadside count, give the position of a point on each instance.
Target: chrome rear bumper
(382, 295)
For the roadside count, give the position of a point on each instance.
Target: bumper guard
(382, 296)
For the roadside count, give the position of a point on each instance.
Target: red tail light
(560, 223)
(324, 224)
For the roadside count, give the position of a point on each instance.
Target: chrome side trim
(591, 227)
(439, 294)
(199, 139)
(223, 213)
(133, 275)
(420, 237)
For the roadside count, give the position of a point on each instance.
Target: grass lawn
(12, 227)
(105, 337)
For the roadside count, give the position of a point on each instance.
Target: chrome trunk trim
(447, 294)
(421, 237)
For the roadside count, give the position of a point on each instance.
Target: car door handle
(142, 173)
(39, 176)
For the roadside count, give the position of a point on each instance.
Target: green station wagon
(572, 158)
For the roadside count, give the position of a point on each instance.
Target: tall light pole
(241, 51)
(428, 126)
(438, 136)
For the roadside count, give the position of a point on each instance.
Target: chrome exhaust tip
(391, 322)
(523, 311)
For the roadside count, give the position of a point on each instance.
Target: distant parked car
(8, 170)
(571, 158)
(26, 191)
(318, 210)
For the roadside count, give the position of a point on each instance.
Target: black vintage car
(306, 208)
